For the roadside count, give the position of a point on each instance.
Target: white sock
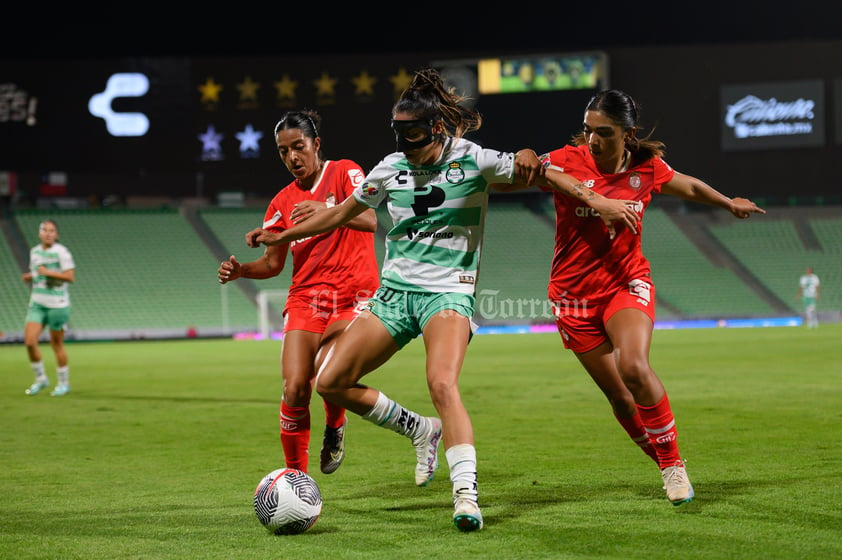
(389, 414)
(63, 374)
(462, 460)
(38, 370)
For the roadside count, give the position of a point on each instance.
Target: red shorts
(581, 323)
(307, 314)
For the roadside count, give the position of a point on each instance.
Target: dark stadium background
(672, 59)
(676, 61)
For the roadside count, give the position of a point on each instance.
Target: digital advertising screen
(772, 115)
(120, 116)
(535, 101)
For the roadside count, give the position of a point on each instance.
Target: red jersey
(587, 264)
(341, 262)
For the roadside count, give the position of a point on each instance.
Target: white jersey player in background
(51, 269)
(809, 289)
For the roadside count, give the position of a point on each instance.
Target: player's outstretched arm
(695, 190)
(320, 222)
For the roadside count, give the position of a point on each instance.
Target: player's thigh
(31, 333)
(601, 365)
(364, 346)
(630, 330)
(446, 337)
(298, 355)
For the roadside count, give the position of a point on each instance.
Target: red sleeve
(662, 173)
(274, 218)
(555, 159)
(351, 176)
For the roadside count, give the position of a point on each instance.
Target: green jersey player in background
(809, 288)
(51, 269)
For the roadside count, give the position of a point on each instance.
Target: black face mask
(422, 129)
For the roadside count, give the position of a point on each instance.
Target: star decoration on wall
(325, 85)
(249, 139)
(400, 81)
(248, 89)
(210, 91)
(211, 144)
(364, 83)
(286, 87)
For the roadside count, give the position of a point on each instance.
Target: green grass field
(156, 452)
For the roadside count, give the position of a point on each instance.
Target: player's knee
(328, 385)
(297, 394)
(634, 369)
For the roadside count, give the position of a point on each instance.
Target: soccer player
(600, 288)
(435, 189)
(51, 270)
(332, 276)
(809, 288)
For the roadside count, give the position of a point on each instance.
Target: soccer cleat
(466, 515)
(333, 448)
(60, 390)
(36, 387)
(677, 484)
(426, 451)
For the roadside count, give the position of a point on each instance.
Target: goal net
(270, 307)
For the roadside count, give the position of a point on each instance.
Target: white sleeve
(372, 191)
(65, 259)
(497, 167)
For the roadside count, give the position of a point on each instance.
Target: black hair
(48, 221)
(307, 121)
(428, 98)
(624, 112)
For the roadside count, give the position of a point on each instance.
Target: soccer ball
(287, 501)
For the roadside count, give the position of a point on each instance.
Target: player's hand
(613, 211)
(259, 236)
(743, 208)
(229, 270)
(528, 166)
(305, 209)
(251, 237)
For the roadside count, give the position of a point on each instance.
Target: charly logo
(130, 84)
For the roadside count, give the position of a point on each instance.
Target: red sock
(334, 414)
(660, 425)
(295, 435)
(637, 432)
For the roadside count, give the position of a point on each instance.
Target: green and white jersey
(809, 286)
(436, 215)
(48, 291)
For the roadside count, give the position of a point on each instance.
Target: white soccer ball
(287, 501)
